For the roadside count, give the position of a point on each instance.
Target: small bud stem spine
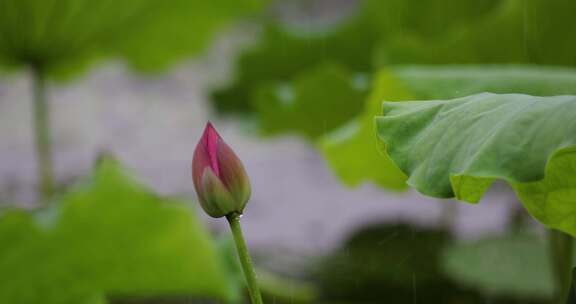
(245, 260)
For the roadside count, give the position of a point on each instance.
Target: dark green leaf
(385, 262)
(512, 265)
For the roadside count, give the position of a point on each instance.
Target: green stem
(560, 246)
(245, 260)
(42, 134)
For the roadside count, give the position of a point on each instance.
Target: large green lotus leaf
(457, 148)
(512, 265)
(301, 106)
(342, 147)
(552, 200)
(110, 236)
(65, 35)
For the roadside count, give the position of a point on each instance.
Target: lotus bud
(219, 177)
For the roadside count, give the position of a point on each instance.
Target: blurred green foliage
(514, 265)
(281, 56)
(405, 264)
(304, 105)
(451, 81)
(110, 236)
(284, 53)
(381, 33)
(65, 36)
(352, 151)
(384, 262)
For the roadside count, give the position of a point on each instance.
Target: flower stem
(42, 134)
(245, 260)
(560, 246)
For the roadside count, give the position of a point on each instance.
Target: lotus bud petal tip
(219, 177)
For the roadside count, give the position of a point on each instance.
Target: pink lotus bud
(219, 176)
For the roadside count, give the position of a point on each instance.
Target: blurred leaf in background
(108, 237)
(522, 269)
(380, 33)
(65, 36)
(314, 104)
(398, 263)
(285, 52)
(501, 31)
(281, 56)
(352, 151)
(452, 81)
